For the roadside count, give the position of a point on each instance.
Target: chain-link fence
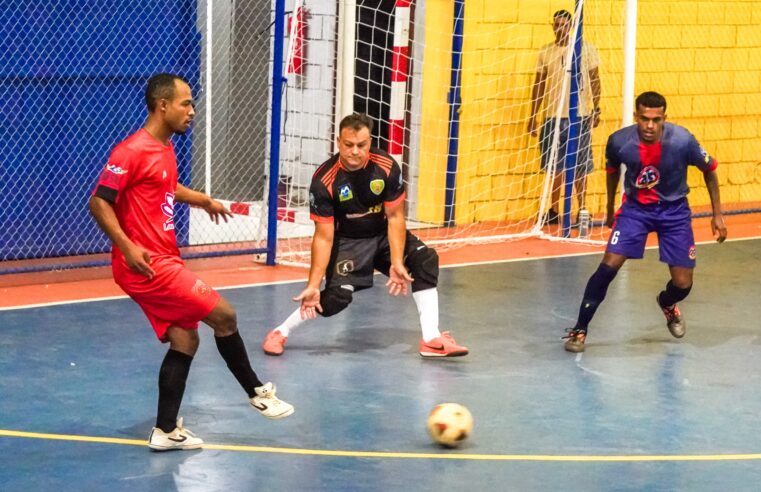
(72, 76)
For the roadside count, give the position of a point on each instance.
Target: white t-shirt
(552, 60)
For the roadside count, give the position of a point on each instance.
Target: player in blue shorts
(656, 155)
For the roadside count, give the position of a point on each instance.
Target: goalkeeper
(356, 201)
(656, 155)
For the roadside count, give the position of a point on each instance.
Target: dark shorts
(584, 162)
(672, 221)
(353, 260)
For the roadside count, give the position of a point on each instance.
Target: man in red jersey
(133, 202)
(356, 201)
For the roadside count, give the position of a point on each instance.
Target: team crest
(377, 185)
(168, 208)
(345, 267)
(648, 177)
(344, 193)
(692, 253)
(200, 288)
(706, 157)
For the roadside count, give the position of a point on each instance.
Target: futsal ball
(449, 424)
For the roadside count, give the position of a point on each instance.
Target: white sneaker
(268, 404)
(179, 438)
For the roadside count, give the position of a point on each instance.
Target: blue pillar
(454, 101)
(277, 84)
(574, 130)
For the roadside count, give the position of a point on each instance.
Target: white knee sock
(427, 302)
(290, 322)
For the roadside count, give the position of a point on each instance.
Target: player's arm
(214, 208)
(398, 277)
(136, 257)
(322, 244)
(718, 227)
(613, 177)
(537, 95)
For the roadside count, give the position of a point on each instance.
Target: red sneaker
(443, 346)
(273, 343)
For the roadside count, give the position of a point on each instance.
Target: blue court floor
(638, 410)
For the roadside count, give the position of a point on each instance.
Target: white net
(498, 185)
(491, 183)
(72, 76)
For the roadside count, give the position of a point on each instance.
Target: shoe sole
(459, 353)
(155, 447)
(272, 353)
(278, 416)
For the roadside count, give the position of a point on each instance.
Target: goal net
(450, 93)
(449, 85)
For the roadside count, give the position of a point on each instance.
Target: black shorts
(353, 260)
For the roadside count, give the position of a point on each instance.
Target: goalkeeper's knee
(423, 265)
(335, 299)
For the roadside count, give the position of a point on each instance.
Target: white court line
(282, 282)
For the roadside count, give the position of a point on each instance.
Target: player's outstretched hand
(310, 302)
(718, 228)
(398, 279)
(138, 260)
(216, 210)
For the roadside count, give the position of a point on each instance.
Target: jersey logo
(345, 267)
(648, 177)
(344, 193)
(200, 288)
(168, 208)
(118, 170)
(377, 185)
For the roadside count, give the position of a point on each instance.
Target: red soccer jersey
(140, 179)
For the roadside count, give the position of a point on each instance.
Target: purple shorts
(672, 221)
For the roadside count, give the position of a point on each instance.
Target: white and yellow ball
(449, 424)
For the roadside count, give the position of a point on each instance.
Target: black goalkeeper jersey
(354, 200)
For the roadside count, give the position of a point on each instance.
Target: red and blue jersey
(656, 172)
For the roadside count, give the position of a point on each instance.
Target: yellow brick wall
(704, 56)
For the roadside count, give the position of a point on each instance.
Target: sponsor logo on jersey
(345, 267)
(377, 185)
(648, 177)
(168, 209)
(344, 193)
(375, 209)
(692, 253)
(115, 169)
(311, 199)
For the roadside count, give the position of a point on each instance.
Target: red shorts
(174, 297)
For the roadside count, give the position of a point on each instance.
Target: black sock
(172, 376)
(594, 294)
(233, 351)
(672, 294)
